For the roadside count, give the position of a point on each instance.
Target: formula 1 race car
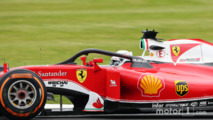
(133, 85)
(196, 51)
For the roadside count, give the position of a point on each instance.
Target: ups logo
(181, 87)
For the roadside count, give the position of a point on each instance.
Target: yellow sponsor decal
(151, 85)
(81, 75)
(181, 88)
(176, 50)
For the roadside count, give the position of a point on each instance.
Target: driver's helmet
(115, 61)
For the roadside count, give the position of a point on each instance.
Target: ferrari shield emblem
(81, 75)
(176, 50)
(181, 88)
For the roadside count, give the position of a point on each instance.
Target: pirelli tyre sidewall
(37, 103)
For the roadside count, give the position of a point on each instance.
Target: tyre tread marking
(1, 97)
(21, 75)
(42, 99)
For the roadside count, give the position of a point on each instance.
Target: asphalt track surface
(130, 117)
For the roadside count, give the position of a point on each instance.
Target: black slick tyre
(22, 94)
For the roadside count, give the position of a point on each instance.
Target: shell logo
(150, 85)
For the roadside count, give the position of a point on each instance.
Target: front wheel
(22, 94)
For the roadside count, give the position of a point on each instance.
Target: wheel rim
(22, 94)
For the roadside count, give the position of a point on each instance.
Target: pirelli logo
(21, 75)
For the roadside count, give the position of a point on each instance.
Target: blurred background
(43, 32)
(36, 32)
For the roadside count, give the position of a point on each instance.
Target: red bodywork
(134, 84)
(197, 77)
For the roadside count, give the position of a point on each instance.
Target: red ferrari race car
(160, 88)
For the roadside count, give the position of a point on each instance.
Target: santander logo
(97, 104)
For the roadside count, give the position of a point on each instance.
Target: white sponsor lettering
(157, 105)
(47, 74)
(193, 104)
(203, 103)
(210, 102)
(139, 60)
(177, 105)
(113, 83)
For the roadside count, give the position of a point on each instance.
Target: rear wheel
(22, 94)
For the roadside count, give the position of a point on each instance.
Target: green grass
(63, 27)
(57, 100)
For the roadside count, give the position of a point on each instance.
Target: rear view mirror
(155, 47)
(83, 58)
(98, 60)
